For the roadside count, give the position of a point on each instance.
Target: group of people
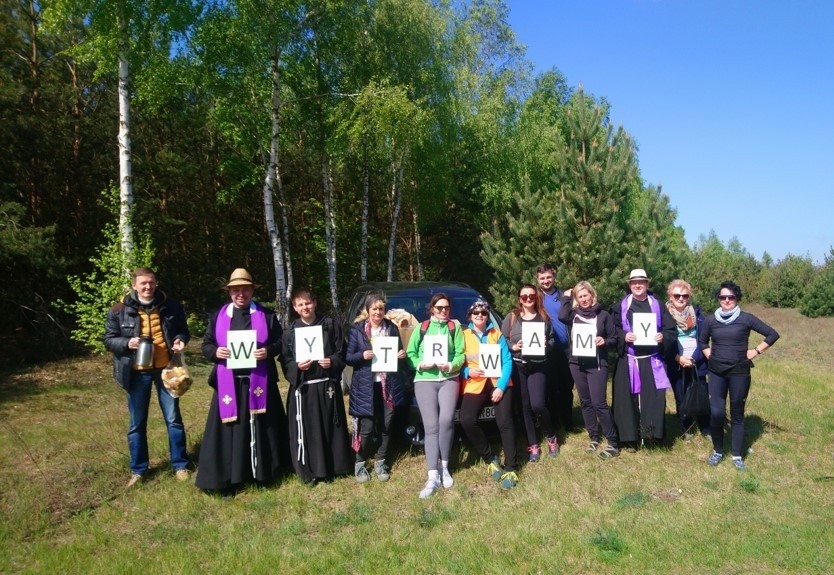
(551, 341)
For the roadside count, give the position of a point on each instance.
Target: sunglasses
(727, 297)
(480, 312)
(527, 297)
(441, 307)
(683, 296)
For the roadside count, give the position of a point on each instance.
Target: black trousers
(590, 385)
(380, 423)
(738, 386)
(471, 405)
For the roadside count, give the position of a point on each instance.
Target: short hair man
(147, 312)
(560, 380)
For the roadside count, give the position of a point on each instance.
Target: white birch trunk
(330, 231)
(396, 205)
(271, 182)
(363, 246)
(125, 166)
(417, 246)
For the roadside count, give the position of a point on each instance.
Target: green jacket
(456, 354)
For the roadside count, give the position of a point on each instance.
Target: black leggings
(738, 387)
(533, 383)
(471, 405)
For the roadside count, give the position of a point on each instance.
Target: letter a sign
(532, 337)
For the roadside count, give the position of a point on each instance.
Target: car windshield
(418, 306)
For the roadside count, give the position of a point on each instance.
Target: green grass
(64, 508)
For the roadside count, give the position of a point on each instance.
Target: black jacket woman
(725, 340)
(373, 395)
(590, 372)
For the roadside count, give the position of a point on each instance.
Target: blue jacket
(362, 384)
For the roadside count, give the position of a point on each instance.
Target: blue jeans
(138, 402)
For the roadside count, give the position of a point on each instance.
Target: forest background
(318, 144)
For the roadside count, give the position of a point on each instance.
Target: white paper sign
(436, 349)
(385, 353)
(489, 359)
(309, 343)
(644, 326)
(584, 340)
(532, 336)
(242, 345)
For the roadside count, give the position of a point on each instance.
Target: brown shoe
(134, 479)
(182, 474)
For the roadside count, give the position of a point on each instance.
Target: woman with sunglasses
(478, 390)
(725, 340)
(690, 366)
(590, 373)
(436, 390)
(531, 370)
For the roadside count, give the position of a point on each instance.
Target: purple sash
(226, 394)
(661, 380)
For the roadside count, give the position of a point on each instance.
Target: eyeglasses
(480, 312)
(723, 297)
(441, 307)
(683, 296)
(527, 297)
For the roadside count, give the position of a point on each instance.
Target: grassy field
(64, 507)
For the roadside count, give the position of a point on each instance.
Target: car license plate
(487, 414)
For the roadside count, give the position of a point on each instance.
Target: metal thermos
(144, 353)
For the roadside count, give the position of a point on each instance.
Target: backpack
(450, 324)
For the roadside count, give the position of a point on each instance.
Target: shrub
(819, 299)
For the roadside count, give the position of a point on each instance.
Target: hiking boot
(182, 474)
(592, 447)
(535, 451)
(432, 485)
(447, 478)
(739, 464)
(361, 472)
(134, 479)
(552, 446)
(495, 469)
(609, 452)
(381, 470)
(715, 458)
(509, 480)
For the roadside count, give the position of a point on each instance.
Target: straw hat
(241, 277)
(638, 274)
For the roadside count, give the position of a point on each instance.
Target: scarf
(589, 312)
(661, 380)
(728, 318)
(226, 394)
(685, 319)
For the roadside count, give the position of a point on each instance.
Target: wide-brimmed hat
(638, 274)
(241, 277)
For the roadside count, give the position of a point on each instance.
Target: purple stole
(661, 380)
(226, 393)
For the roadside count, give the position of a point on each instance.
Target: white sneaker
(431, 486)
(447, 478)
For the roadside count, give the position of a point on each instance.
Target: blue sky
(731, 104)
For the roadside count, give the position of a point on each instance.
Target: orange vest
(151, 325)
(471, 347)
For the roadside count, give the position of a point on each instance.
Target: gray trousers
(437, 401)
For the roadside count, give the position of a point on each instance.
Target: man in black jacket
(148, 316)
